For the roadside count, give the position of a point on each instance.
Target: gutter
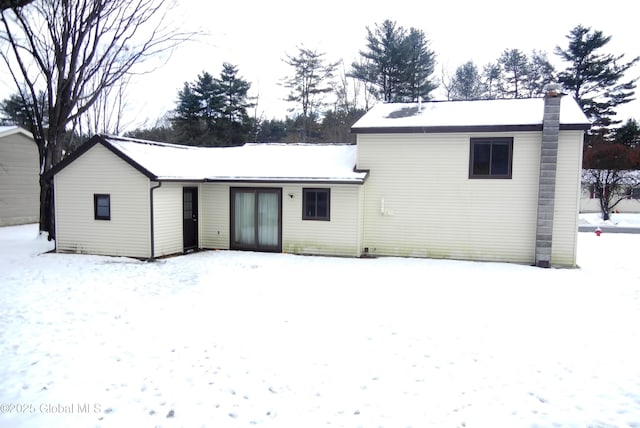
(151, 189)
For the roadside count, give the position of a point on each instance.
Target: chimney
(547, 177)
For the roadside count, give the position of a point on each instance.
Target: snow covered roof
(250, 162)
(477, 115)
(13, 129)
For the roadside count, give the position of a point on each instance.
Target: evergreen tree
(397, 65)
(209, 95)
(628, 134)
(16, 111)
(515, 66)
(187, 118)
(272, 131)
(336, 125)
(380, 65)
(415, 82)
(540, 73)
(466, 83)
(162, 133)
(312, 79)
(492, 81)
(595, 78)
(234, 123)
(213, 112)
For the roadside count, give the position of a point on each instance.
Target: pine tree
(209, 94)
(213, 112)
(396, 64)
(415, 80)
(628, 134)
(15, 110)
(312, 79)
(466, 83)
(272, 131)
(187, 116)
(492, 81)
(380, 65)
(540, 73)
(515, 66)
(595, 78)
(234, 123)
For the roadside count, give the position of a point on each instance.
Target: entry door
(256, 219)
(190, 218)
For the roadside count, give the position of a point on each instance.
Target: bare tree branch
(75, 51)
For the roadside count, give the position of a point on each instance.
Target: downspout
(547, 177)
(151, 189)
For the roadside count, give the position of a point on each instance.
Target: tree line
(327, 97)
(397, 65)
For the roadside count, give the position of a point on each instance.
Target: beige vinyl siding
(214, 220)
(567, 201)
(339, 236)
(19, 180)
(419, 200)
(100, 171)
(167, 208)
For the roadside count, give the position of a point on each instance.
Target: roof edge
(444, 129)
(16, 129)
(85, 147)
(463, 129)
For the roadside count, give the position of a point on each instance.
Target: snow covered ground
(619, 219)
(235, 339)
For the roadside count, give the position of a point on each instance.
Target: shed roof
(7, 130)
(523, 114)
(266, 162)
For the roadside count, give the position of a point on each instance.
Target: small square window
(315, 204)
(102, 206)
(490, 157)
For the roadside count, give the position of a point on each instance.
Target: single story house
(19, 177)
(478, 180)
(127, 197)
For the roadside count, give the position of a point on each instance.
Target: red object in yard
(598, 231)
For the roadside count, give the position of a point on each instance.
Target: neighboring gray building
(19, 177)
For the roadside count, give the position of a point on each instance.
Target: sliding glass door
(256, 219)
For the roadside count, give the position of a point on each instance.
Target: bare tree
(350, 91)
(74, 51)
(447, 83)
(610, 187)
(106, 115)
(367, 94)
(312, 79)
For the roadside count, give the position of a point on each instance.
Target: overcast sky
(255, 35)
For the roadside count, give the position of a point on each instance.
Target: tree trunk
(604, 206)
(47, 222)
(52, 154)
